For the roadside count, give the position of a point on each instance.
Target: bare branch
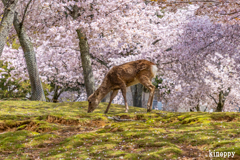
(112, 11)
(156, 41)
(170, 62)
(99, 61)
(213, 98)
(230, 13)
(69, 10)
(24, 14)
(95, 58)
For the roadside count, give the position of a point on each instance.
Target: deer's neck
(102, 91)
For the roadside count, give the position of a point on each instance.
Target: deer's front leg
(113, 95)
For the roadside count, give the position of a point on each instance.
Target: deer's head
(92, 102)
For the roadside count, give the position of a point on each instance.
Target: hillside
(32, 130)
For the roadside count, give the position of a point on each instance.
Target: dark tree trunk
(220, 102)
(221, 99)
(55, 95)
(30, 57)
(85, 55)
(86, 63)
(137, 91)
(198, 107)
(6, 22)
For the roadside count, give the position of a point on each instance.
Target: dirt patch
(92, 123)
(222, 117)
(192, 152)
(96, 123)
(116, 130)
(33, 126)
(137, 117)
(54, 119)
(140, 117)
(25, 125)
(12, 126)
(124, 117)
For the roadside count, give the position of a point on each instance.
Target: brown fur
(120, 77)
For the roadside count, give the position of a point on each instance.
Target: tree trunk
(55, 95)
(6, 22)
(137, 94)
(30, 57)
(220, 102)
(86, 63)
(85, 55)
(198, 108)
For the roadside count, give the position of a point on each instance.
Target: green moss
(73, 133)
(11, 141)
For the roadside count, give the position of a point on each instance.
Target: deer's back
(129, 72)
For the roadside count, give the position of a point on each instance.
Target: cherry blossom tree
(196, 56)
(36, 86)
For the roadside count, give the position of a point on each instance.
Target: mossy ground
(41, 130)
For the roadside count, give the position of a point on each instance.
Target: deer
(122, 76)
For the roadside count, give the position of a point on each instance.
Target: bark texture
(55, 95)
(86, 63)
(222, 96)
(137, 91)
(89, 80)
(30, 57)
(220, 102)
(6, 22)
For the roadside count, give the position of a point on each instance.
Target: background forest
(63, 48)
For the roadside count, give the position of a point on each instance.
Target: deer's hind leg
(113, 95)
(144, 80)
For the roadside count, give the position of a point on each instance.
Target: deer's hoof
(148, 110)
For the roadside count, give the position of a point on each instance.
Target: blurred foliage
(157, 81)
(15, 88)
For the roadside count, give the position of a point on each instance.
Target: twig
(123, 120)
(213, 99)
(24, 14)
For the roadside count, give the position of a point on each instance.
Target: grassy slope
(29, 130)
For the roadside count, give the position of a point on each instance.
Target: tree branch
(153, 43)
(230, 13)
(99, 60)
(112, 11)
(69, 10)
(24, 14)
(213, 98)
